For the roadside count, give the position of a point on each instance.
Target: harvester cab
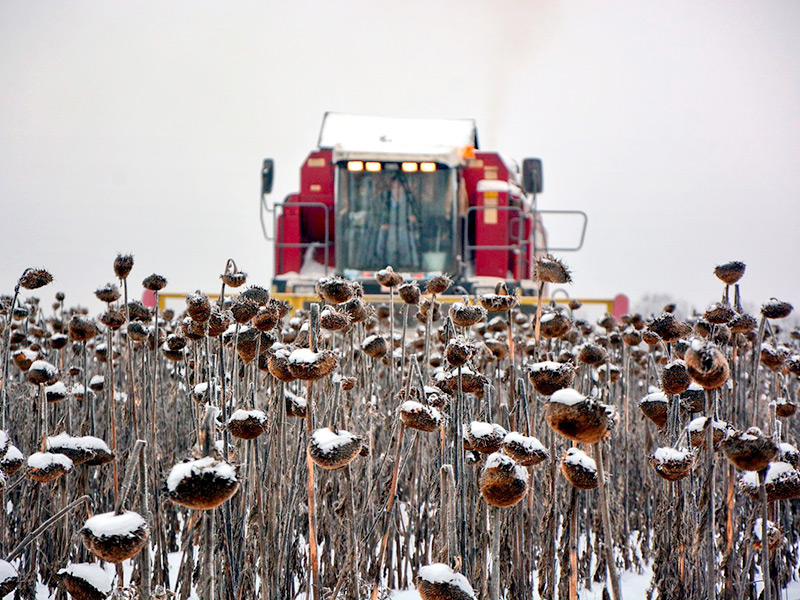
(416, 194)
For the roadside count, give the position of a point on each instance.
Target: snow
(757, 527)
(480, 429)
(671, 454)
(207, 464)
(7, 571)
(775, 471)
(696, 387)
(29, 354)
(441, 573)
(97, 380)
(498, 459)
(547, 365)
(779, 470)
(368, 340)
(3, 439)
(530, 443)
(298, 400)
(13, 453)
(92, 573)
(303, 356)
(57, 388)
(568, 396)
(327, 441)
(655, 397)
(575, 456)
(360, 137)
(699, 424)
(44, 366)
(414, 406)
(493, 185)
(243, 415)
(111, 524)
(43, 460)
(86, 442)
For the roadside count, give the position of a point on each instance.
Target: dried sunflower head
(410, 292)
(550, 269)
(108, 293)
(234, 279)
(123, 265)
(154, 282)
(730, 272)
(257, 294)
(387, 277)
(438, 284)
(776, 309)
(35, 278)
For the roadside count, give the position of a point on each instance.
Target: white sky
(140, 127)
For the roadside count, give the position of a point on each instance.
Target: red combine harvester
(416, 194)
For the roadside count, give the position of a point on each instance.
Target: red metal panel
(524, 257)
(288, 232)
(491, 229)
(317, 180)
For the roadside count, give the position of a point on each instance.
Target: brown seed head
(719, 313)
(108, 293)
(494, 303)
(138, 311)
(549, 377)
(730, 272)
(243, 309)
(257, 294)
(35, 278)
(776, 309)
(667, 327)
(552, 270)
(154, 282)
(409, 292)
(112, 318)
(266, 318)
(743, 323)
(707, 364)
(388, 278)
(592, 354)
(198, 306)
(81, 329)
(466, 315)
(123, 265)
(375, 346)
(234, 279)
(631, 336)
(438, 284)
(675, 378)
(335, 290)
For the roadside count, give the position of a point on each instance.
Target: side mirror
(266, 176)
(532, 175)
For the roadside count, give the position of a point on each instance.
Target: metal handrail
(302, 203)
(521, 245)
(567, 212)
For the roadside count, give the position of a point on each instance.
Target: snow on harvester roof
(359, 137)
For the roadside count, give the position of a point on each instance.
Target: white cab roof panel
(358, 137)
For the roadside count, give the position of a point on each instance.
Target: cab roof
(360, 137)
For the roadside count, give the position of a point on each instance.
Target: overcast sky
(140, 127)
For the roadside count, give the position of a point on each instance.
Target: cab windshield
(393, 217)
